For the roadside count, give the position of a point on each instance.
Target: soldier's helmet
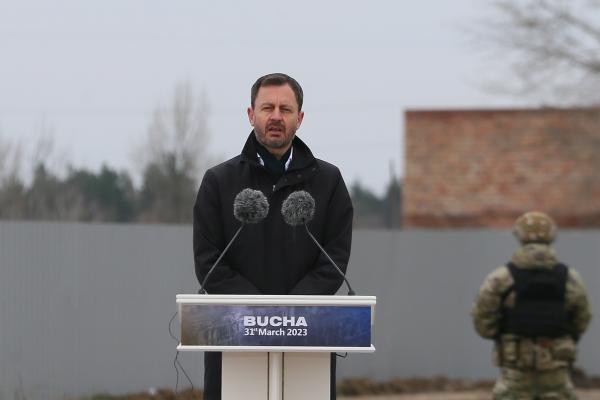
(535, 227)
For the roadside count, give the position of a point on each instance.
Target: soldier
(535, 309)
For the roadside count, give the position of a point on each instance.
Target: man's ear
(251, 115)
(300, 119)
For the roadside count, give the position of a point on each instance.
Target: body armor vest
(540, 302)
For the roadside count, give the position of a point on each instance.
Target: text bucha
(256, 325)
(274, 321)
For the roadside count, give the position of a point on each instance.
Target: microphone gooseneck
(202, 288)
(299, 209)
(249, 207)
(350, 291)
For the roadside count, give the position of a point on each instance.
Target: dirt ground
(583, 394)
(471, 395)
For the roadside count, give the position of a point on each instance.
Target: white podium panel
(275, 376)
(247, 376)
(306, 376)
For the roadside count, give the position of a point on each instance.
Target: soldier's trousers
(514, 384)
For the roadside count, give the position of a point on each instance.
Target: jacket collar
(535, 255)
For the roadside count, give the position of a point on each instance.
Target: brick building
(482, 168)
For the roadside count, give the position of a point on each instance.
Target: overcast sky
(92, 72)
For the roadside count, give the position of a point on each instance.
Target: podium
(276, 347)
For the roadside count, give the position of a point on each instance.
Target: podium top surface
(275, 299)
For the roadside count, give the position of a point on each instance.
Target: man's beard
(279, 143)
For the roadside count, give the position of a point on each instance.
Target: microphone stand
(350, 291)
(202, 289)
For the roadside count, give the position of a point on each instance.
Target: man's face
(275, 118)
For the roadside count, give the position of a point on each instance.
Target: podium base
(275, 376)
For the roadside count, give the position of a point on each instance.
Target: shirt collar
(287, 163)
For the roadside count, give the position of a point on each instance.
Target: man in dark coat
(271, 257)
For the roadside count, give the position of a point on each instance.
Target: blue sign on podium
(285, 325)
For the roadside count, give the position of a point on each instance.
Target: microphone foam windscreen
(298, 208)
(250, 206)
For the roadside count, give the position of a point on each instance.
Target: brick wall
(476, 168)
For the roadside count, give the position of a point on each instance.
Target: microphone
(299, 209)
(249, 207)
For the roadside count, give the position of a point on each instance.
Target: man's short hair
(277, 79)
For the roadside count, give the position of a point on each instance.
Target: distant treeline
(166, 195)
(372, 211)
(172, 160)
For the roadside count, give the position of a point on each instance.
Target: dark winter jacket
(272, 257)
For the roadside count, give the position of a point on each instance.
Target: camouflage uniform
(531, 368)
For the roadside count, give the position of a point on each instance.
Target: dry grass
(471, 395)
(361, 387)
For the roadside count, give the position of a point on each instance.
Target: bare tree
(11, 156)
(175, 155)
(44, 151)
(180, 130)
(12, 190)
(552, 48)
